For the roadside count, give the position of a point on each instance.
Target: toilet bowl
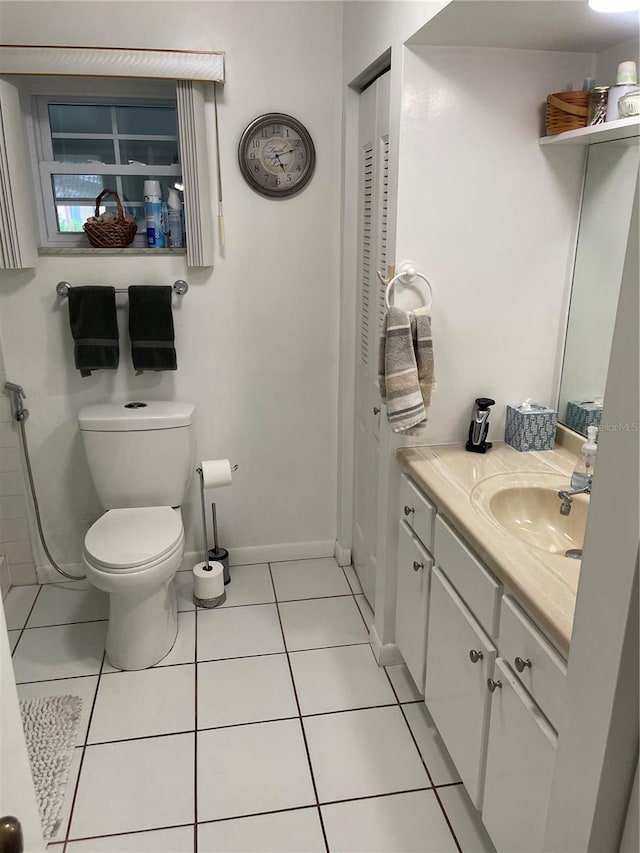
(133, 554)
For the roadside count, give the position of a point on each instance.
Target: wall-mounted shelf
(624, 128)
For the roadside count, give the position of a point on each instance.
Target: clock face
(276, 155)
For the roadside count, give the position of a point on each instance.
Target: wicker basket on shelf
(566, 111)
(116, 233)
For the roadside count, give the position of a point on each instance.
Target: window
(85, 145)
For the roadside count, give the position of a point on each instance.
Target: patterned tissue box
(582, 414)
(530, 427)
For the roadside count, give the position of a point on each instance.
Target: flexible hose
(37, 509)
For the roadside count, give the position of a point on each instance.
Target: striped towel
(405, 367)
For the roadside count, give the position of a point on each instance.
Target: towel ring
(408, 273)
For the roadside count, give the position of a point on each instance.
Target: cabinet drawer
(412, 603)
(417, 511)
(543, 670)
(475, 585)
(520, 761)
(460, 659)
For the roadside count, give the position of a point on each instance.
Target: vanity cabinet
(460, 658)
(520, 760)
(412, 602)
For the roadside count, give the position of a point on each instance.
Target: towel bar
(180, 287)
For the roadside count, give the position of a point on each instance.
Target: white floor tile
(284, 832)
(366, 610)
(403, 684)
(251, 769)
(249, 585)
(339, 679)
(322, 622)
(178, 840)
(153, 701)
(14, 636)
(239, 631)
(184, 648)
(184, 591)
(352, 578)
(245, 690)
(65, 811)
(17, 605)
(396, 824)
(60, 652)
(308, 579)
(61, 603)
(465, 820)
(135, 784)
(362, 753)
(85, 688)
(440, 766)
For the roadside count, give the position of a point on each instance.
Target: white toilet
(141, 458)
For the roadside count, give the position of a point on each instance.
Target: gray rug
(50, 728)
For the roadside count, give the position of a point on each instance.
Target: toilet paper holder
(200, 472)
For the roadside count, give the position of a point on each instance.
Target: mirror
(611, 174)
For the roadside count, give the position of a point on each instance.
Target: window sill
(89, 250)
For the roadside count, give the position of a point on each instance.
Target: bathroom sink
(527, 507)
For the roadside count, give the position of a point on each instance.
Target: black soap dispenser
(479, 426)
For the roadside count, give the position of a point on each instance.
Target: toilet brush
(208, 577)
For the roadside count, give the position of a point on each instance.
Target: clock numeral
(286, 132)
(296, 143)
(256, 168)
(264, 133)
(255, 143)
(300, 155)
(289, 179)
(278, 182)
(276, 128)
(252, 155)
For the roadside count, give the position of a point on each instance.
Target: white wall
(490, 218)
(607, 60)
(256, 337)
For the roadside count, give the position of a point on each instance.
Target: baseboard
(253, 554)
(47, 574)
(387, 654)
(342, 555)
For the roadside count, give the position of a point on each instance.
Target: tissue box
(530, 429)
(582, 414)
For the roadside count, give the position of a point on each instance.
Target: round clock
(276, 155)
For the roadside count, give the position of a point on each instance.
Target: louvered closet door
(372, 256)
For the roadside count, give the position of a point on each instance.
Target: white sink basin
(527, 507)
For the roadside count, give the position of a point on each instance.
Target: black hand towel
(94, 326)
(151, 328)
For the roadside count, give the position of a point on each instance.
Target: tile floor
(268, 727)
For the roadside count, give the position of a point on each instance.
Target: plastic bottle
(153, 215)
(583, 473)
(176, 233)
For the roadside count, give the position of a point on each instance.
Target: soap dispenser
(583, 474)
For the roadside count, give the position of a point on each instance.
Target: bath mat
(50, 727)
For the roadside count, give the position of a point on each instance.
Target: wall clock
(276, 155)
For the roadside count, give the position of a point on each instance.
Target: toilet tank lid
(136, 415)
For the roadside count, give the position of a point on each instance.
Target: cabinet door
(412, 603)
(520, 760)
(460, 658)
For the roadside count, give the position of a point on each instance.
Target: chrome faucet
(566, 496)
(16, 393)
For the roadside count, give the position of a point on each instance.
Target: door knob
(376, 410)
(417, 566)
(521, 665)
(11, 835)
(475, 656)
(492, 685)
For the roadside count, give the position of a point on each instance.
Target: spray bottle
(176, 235)
(153, 215)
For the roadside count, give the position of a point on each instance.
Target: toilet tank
(139, 453)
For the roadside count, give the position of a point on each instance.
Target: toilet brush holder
(220, 555)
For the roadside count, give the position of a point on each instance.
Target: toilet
(140, 456)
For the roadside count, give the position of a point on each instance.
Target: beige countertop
(544, 584)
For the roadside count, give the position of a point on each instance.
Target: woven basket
(110, 235)
(566, 111)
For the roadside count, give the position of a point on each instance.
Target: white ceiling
(568, 25)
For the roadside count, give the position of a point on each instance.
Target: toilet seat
(124, 541)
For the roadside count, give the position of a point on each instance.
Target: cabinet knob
(408, 510)
(475, 656)
(417, 566)
(376, 410)
(521, 665)
(491, 684)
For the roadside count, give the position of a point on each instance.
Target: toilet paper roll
(208, 584)
(216, 473)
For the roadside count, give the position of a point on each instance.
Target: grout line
(302, 729)
(377, 796)
(24, 625)
(127, 832)
(64, 624)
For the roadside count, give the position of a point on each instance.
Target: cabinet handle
(376, 410)
(521, 665)
(408, 510)
(417, 566)
(491, 684)
(475, 656)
